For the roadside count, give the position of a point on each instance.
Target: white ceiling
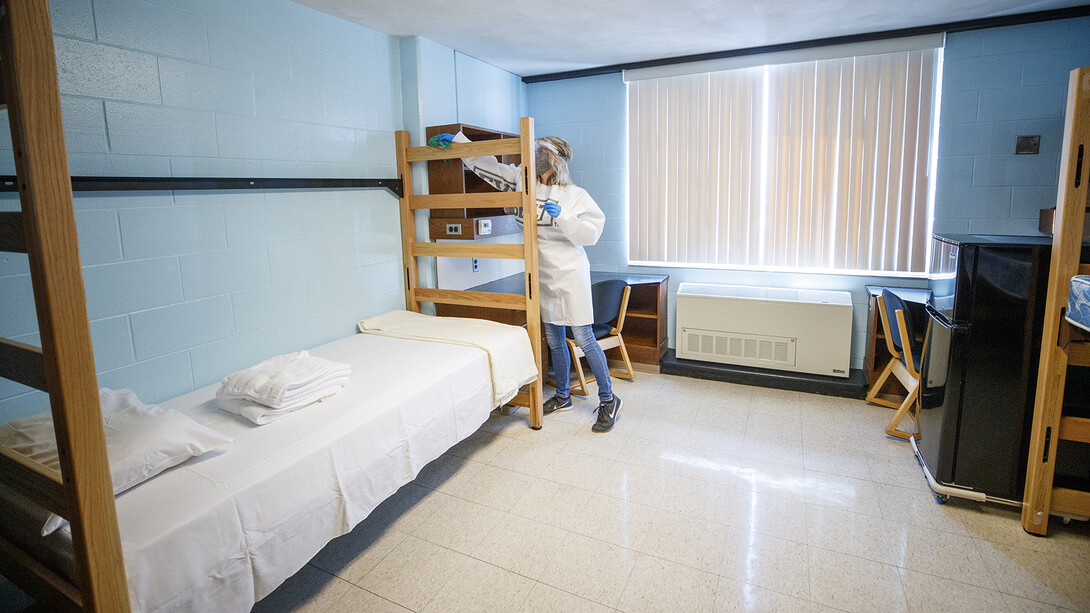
(534, 37)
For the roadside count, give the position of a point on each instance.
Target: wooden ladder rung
(1075, 429)
(461, 250)
(22, 363)
(44, 585)
(12, 234)
(477, 299)
(501, 146)
(37, 482)
(509, 200)
(1071, 502)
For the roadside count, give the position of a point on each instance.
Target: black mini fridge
(979, 370)
(979, 373)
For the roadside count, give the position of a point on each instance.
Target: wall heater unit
(808, 331)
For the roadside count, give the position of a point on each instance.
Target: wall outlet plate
(454, 229)
(1027, 145)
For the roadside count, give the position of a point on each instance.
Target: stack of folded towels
(280, 385)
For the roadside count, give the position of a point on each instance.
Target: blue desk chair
(610, 303)
(904, 365)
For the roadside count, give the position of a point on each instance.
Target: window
(819, 165)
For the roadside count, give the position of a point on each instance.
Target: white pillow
(141, 440)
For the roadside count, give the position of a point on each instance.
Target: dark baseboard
(854, 386)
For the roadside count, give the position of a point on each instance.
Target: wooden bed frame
(64, 365)
(527, 251)
(1062, 343)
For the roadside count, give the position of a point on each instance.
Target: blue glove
(441, 140)
(553, 209)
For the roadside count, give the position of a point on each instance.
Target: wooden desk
(877, 355)
(644, 327)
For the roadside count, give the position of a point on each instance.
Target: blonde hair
(553, 153)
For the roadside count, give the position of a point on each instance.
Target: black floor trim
(854, 386)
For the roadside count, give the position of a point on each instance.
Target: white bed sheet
(221, 531)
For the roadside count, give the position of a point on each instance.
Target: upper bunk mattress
(223, 530)
(1078, 302)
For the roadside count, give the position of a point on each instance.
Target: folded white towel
(261, 414)
(283, 380)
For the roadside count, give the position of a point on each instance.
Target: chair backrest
(607, 298)
(893, 304)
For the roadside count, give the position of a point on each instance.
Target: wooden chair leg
(582, 389)
(629, 374)
(907, 409)
(879, 383)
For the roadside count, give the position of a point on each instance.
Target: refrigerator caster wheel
(1066, 520)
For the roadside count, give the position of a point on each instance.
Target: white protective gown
(563, 267)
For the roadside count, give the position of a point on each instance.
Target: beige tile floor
(706, 496)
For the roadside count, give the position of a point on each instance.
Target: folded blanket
(510, 356)
(261, 414)
(284, 380)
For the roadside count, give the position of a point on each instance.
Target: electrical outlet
(476, 265)
(454, 229)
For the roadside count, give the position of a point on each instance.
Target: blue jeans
(558, 349)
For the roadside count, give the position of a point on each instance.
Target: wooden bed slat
(36, 481)
(22, 363)
(42, 584)
(1075, 429)
(12, 234)
(508, 200)
(463, 250)
(477, 299)
(1073, 502)
(502, 146)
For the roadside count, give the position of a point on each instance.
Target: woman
(567, 220)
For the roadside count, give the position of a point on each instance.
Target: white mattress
(220, 532)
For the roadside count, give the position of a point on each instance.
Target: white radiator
(808, 331)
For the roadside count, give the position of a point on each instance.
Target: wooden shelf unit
(450, 176)
(1062, 344)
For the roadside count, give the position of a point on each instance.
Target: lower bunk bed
(223, 530)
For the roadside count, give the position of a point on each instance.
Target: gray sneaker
(555, 404)
(607, 415)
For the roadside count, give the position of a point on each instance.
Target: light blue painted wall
(185, 287)
(998, 84)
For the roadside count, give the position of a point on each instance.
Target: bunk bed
(1066, 340)
(217, 533)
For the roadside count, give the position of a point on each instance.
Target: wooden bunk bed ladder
(411, 248)
(1062, 344)
(45, 230)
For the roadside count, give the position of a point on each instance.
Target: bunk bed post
(408, 220)
(48, 218)
(529, 245)
(1071, 204)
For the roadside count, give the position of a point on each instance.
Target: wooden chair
(904, 364)
(610, 303)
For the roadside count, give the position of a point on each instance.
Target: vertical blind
(809, 165)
